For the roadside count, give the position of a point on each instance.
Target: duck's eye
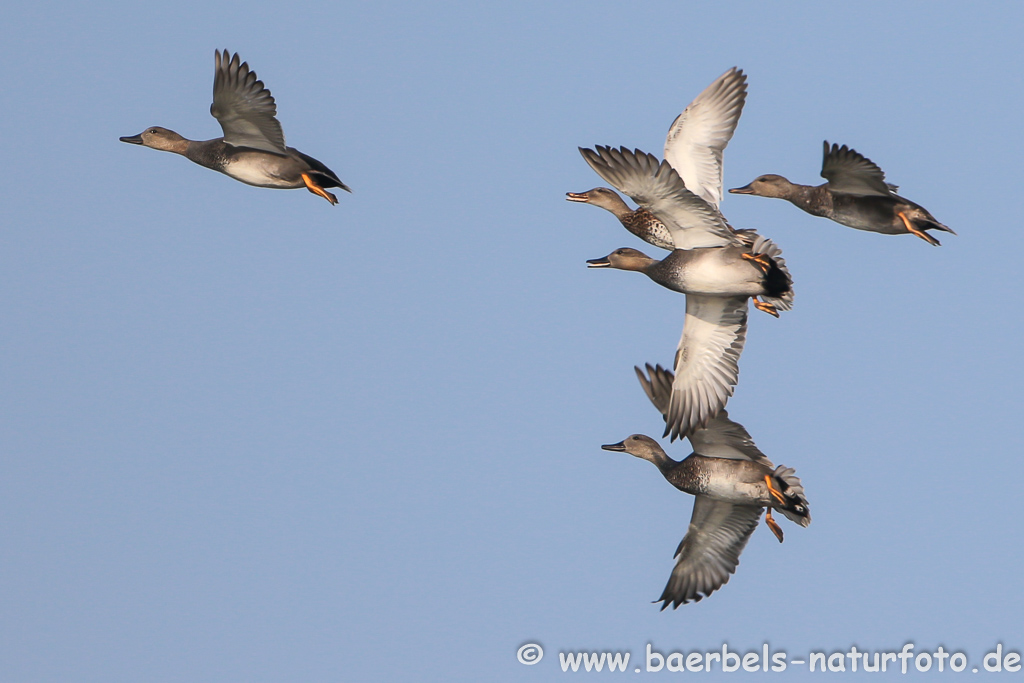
(153, 131)
(636, 438)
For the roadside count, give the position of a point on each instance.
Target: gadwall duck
(253, 148)
(715, 271)
(693, 147)
(684, 220)
(856, 195)
(717, 282)
(731, 480)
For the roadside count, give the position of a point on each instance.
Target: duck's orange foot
(772, 524)
(765, 306)
(316, 189)
(762, 261)
(914, 231)
(776, 494)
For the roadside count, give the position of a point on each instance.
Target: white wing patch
(699, 135)
(707, 361)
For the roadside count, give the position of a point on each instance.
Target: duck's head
(625, 258)
(770, 185)
(158, 138)
(600, 196)
(640, 446)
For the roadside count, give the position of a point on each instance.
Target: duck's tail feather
(796, 508)
(325, 176)
(778, 281)
(935, 225)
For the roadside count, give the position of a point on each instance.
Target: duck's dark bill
(599, 263)
(577, 196)
(741, 190)
(133, 139)
(620, 446)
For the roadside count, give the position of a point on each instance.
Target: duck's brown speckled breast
(644, 225)
(735, 481)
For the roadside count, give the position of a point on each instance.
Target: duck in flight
(855, 195)
(731, 480)
(253, 149)
(694, 146)
(717, 280)
(670, 215)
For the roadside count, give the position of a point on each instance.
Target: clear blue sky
(249, 436)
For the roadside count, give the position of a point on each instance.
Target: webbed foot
(914, 231)
(776, 494)
(772, 524)
(762, 261)
(316, 189)
(765, 306)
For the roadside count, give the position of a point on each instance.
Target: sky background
(248, 436)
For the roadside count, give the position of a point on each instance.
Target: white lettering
(998, 656)
(726, 666)
(853, 655)
(651, 654)
(906, 654)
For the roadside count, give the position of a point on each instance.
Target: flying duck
(253, 148)
(731, 480)
(717, 281)
(856, 195)
(693, 147)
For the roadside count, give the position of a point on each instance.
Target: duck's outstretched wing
(244, 107)
(722, 438)
(850, 172)
(725, 438)
(656, 186)
(698, 136)
(707, 361)
(710, 550)
(657, 384)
